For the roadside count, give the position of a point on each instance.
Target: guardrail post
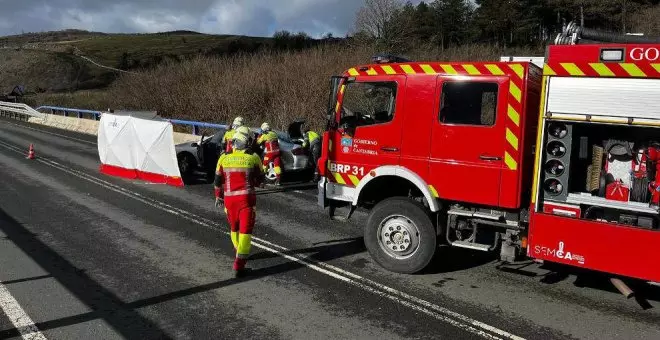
(195, 130)
(80, 115)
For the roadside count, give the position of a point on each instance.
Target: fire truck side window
(368, 103)
(469, 103)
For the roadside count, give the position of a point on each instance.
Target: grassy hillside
(62, 51)
(42, 71)
(277, 87)
(196, 76)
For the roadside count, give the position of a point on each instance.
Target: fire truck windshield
(368, 103)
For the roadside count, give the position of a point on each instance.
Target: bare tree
(374, 20)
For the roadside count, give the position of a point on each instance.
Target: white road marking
(18, 317)
(54, 134)
(443, 314)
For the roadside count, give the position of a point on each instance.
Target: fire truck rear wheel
(400, 235)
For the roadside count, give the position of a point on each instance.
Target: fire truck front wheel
(400, 236)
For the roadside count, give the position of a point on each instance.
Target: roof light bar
(388, 58)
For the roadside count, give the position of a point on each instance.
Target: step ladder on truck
(558, 163)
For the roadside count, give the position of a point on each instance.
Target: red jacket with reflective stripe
(270, 141)
(238, 173)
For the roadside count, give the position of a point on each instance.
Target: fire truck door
(467, 143)
(369, 130)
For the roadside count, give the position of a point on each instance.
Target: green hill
(53, 61)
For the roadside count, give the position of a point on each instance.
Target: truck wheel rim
(398, 237)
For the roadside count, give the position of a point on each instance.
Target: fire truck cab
(433, 149)
(559, 164)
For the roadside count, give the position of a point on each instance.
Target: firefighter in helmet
(269, 142)
(312, 143)
(236, 176)
(227, 139)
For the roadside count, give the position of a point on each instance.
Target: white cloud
(250, 17)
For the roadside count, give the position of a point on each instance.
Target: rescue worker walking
(227, 139)
(237, 174)
(312, 143)
(269, 142)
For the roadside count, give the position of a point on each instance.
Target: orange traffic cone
(31, 152)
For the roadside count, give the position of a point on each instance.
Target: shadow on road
(556, 273)
(122, 316)
(337, 249)
(449, 259)
(105, 305)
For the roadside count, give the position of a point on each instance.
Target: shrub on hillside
(273, 87)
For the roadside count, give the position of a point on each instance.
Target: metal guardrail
(65, 111)
(96, 115)
(18, 111)
(197, 125)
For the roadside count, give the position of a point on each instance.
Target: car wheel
(186, 164)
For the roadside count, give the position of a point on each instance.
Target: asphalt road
(87, 256)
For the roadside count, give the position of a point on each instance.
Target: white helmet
(238, 122)
(244, 130)
(265, 127)
(240, 141)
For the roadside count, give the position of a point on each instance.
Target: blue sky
(248, 17)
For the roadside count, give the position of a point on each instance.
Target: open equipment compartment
(603, 172)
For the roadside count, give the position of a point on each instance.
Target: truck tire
(403, 224)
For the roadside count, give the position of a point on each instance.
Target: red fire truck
(459, 153)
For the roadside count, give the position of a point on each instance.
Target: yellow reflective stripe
(354, 180)
(514, 115)
(602, 69)
(244, 244)
(234, 239)
(539, 138)
(342, 89)
(427, 69)
(338, 178)
(515, 91)
(434, 192)
(512, 138)
(519, 69)
(388, 69)
(657, 67)
(408, 69)
(572, 69)
(449, 69)
(353, 72)
(510, 162)
(372, 72)
(633, 70)
(471, 70)
(278, 170)
(495, 70)
(548, 71)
